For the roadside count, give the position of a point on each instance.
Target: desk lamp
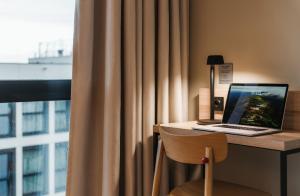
(213, 60)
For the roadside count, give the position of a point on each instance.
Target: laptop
(252, 110)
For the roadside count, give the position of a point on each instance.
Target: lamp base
(209, 122)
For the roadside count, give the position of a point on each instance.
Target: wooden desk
(285, 143)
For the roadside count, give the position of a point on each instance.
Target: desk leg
(283, 173)
(155, 145)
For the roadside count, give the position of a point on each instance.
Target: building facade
(34, 135)
(33, 147)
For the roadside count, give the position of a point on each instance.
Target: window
(7, 120)
(35, 170)
(62, 116)
(35, 84)
(39, 166)
(35, 117)
(61, 163)
(7, 174)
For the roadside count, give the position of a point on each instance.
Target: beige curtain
(130, 71)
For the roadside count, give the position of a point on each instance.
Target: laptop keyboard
(240, 127)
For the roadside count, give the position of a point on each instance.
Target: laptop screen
(259, 105)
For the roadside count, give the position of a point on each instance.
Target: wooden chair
(201, 149)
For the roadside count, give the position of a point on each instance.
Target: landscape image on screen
(255, 106)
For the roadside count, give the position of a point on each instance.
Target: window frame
(58, 145)
(45, 149)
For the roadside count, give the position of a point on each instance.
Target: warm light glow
(249, 77)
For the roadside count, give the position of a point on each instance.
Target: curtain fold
(148, 91)
(163, 50)
(131, 95)
(130, 71)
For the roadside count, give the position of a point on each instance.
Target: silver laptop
(252, 109)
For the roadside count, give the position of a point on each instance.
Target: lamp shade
(215, 60)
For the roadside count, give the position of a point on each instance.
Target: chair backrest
(191, 149)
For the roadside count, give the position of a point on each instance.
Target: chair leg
(208, 182)
(158, 169)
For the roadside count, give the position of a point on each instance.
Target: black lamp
(213, 60)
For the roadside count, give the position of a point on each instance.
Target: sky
(26, 23)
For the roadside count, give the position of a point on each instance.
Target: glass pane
(60, 180)
(61, 105)
(35, 44)
(61, 123)
(34, 161)
(35, 170)
(4, 188)
(3, 166)
(35, 118)
(34, 123)
(61, 163)
(4, 125)
(7, 172)
(7, 120)
(5, 108)
(34, 184)
(33, 107)
(61, 155)
(62, 116)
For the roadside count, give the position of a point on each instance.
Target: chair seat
(196, 188)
